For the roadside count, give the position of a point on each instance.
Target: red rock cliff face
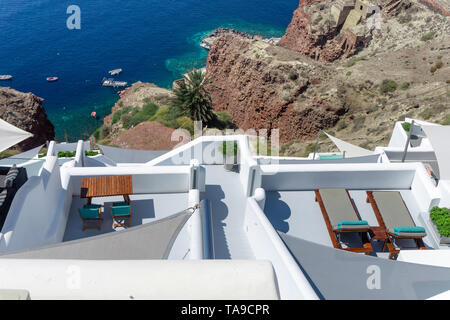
(314, 33)
(262, 90)
(311, 33)
(25, 111)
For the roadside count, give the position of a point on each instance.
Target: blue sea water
(151, 40)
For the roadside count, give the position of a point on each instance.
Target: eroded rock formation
(262, 87)
(150, 136)
(326, 30)
(25, 111)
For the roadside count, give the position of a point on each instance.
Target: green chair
(91, 215)
(121, 214)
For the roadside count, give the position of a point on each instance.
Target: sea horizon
(152, 42)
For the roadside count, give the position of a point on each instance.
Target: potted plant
(441, 223)
(91, 153)
(229, 149)
(66, 154)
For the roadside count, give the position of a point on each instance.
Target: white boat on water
(5, 77)
(354, 225)
(115, 72)
(109, 82)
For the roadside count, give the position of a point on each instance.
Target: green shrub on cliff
(149, 109)
(223, 120)
(293, 75)
(341, 125)
(137, 115)
(118, 114)
(428, 36)
(309, 149)
(132, 121)
(388, 85)
(192, 99)
(167, 116)
(102, 132)
(436, 66)
(353, 61)
(446, 121)
(405, 85)
(8, 153)
(186, 123)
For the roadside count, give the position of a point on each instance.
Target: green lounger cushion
(92, 206)
(120, 211)
(120, 204)
(410, 231)
(89, 213)
(332, 157)
(359, 224)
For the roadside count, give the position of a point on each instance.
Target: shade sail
(349, 149)
(151, 241)
(439, 137)
(339, 274)
(11, 135)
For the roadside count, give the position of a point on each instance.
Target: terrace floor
(296, 213)
(145, 208)
(228, 201)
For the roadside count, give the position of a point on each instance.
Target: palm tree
(192, 99)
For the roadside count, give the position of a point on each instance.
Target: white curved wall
(155, 279)
(349, 176)
(267, 245)
(38, 213)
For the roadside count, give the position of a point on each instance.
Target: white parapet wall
(423, 189)
(206, 151)
(379, 176)
(267, 245)
(145, 279)
(195, 227)
(398, 137)
(349, 176)
(36, 216)
(153, 179)
(438, 258)
(40, 209)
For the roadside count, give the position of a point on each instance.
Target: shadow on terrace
(292, 207)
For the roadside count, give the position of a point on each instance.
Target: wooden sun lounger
(388, 228)
(363, 232)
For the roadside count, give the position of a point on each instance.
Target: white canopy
(350, 149)
(11, 135)
(439, 137)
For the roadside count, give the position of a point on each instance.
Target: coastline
(82, 125)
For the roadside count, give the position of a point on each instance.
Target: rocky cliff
(25, 111)
(263, 87)
(137, 95)
(329, 72)
(135, 120)
(326, 30)
(398, 70)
